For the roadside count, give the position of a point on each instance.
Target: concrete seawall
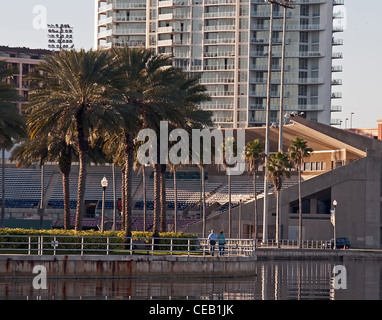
(75, 266)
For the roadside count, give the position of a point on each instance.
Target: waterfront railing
(92, 245)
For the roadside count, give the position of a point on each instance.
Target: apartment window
(304, 10)
(303, 64)
(302, 90)
(316, 10)
(304, 37)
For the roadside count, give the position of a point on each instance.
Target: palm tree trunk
(114, 199)
(144, 197)
(65, 188)
(255, 210)
(123, 197)
(175, 202)
(41, 206)
(2, 188)
(64, 163)
(299, 208)
(204, 203)
(83, 148)
(156, 200)
(128, 182)
(163, 219)
(277, 217)
(229, 203)
(83, 156)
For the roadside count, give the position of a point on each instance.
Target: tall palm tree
(141, 83)
(28, 153)
(254, 153)
(278, 167)
(155, 91)
(75, 91)
(12, 124)
(299, 150)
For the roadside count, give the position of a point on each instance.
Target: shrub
(70, 240)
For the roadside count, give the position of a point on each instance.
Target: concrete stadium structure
(344, 166)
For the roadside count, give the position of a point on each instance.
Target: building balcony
(337, 55)
(219, 41)
(219, 54)
(338, 2)
(122, 18)
(124, 5)
(310, 1)
(130, 31)
(165, 16)
(105, 34)
(336, 82)
(106, 8)
(336, 108)
(104, 22)
(337, 42)
(335, 122)
(336, 95)
(165, 30)
(216, 80)
(165, 43)
(337, 68)
(280, 14)
(215, 15)
(228, 27)
(167, 3)
(215, 2)
(221, 93)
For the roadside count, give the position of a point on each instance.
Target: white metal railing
(294, 244)
(83, 245)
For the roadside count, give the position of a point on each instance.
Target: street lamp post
(104, 184)
(334, 224)
(240, 203)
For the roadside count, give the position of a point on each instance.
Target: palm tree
(278, 167)
(140, 82)
(155, 91)
(254, 152)
(28, 153)
(75, 92)
(299, 150)
(12, 124)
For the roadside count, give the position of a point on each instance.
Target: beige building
(23, 61)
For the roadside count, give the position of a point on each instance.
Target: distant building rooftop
(18, 52)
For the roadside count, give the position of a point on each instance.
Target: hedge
(95, 240)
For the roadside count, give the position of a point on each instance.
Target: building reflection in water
(274, 280)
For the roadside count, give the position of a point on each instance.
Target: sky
(362, 49)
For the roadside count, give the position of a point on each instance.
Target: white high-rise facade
(226, 42)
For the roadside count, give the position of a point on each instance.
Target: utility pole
(286, 4)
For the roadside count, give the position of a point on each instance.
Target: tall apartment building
(226, 42)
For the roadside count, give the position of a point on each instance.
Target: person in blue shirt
(221, 242)
(212, 240)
